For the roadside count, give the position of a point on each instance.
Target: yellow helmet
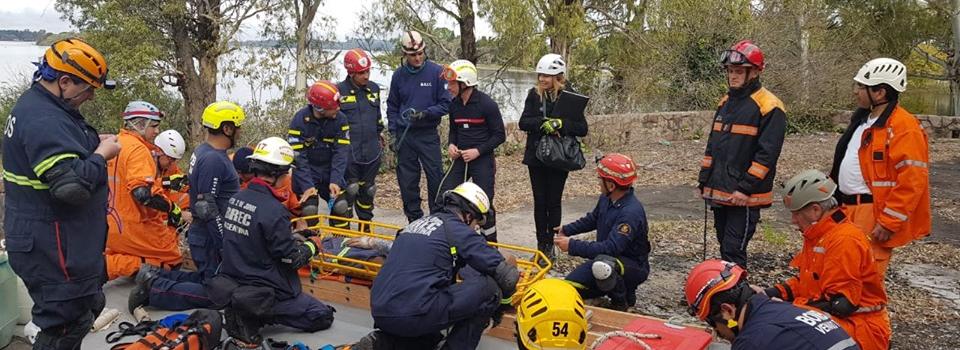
(551, 316)
(222, 111)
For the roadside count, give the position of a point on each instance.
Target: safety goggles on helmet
(734, 57)
(448, 74)
(102, 80)
(710, 289)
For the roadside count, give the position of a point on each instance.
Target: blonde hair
(559, 82)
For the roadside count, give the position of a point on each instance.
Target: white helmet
(412, 42)
(478, 201)
(463, 71)
(551, 64)
(171, 143)
(273, 150)
(883, 71)
(141, 109)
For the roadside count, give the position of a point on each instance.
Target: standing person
(619, 259)
(261, 256)
(836, 273)
(881, 163)
(744, 145)
(138, 225)
(55, 177)
(360, 102)
(417, 295)
(415, 105)
(538, 119)
(476, 129)
(717, 292)
(320, 134)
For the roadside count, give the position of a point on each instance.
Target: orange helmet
(706, 280)
(356, 61)
(76, 57)
(324, 95)
(617, 168)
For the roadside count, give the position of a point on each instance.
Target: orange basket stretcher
(532, 263)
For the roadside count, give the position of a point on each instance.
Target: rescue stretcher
(532, 263)
(336, 278)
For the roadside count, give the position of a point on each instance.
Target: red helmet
(743, 52)
(324, 95)
(617, 168)
(706, 280)
(356, 61)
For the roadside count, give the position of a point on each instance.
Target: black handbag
(561, 152)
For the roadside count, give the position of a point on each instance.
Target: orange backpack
(200, 331)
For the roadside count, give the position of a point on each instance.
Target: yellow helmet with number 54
(551, 316)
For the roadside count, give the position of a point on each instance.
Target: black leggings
(547, 184)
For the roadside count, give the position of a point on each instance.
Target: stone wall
(937, 126)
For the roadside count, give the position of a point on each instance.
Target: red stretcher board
(672, 337)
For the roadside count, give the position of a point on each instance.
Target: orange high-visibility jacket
(133, 228)
(837, 259)
(182, 197)
(894, 156)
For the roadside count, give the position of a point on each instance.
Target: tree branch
(943, 76)
(931, 58)
(443, 9)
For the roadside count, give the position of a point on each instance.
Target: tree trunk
(468, 40)
(804, 59)
(304, 20)
(953, 71)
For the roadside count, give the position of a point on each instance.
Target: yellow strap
(345, 127)
(343, 141)
(348, 99)
(297, 146)
(294, 132)
(48, 163)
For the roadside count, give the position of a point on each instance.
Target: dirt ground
(923, 283)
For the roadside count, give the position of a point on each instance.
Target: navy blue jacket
(424, 90)
(621, 230)
(323, 149)
(780, 325)
(256, 241)
(51, 243)
(211, 173)
(361, 105)
(420, 265)
(478, 124)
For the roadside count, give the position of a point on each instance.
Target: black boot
(140, 295)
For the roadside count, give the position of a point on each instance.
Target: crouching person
(258, 275)
(619, 258)
(717, 292)
(837, 273)
(416, 295)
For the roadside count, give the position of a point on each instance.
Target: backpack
(200, 331)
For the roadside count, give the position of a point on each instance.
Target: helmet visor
(733, 57)
(448, 74)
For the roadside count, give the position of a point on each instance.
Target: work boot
(147, 272)
(140, 295)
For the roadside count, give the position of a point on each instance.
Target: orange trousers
(123, 265)
(871, 329)
(862, 216)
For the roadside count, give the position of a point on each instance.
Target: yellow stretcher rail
(532, 268)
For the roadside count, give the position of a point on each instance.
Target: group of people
(83, 207)
(875, 198)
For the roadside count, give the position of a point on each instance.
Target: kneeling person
(619, 257)
(416, 295)
(717, 292)
(837, 273)
(261, 256)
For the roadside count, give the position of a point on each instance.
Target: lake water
(509, 91)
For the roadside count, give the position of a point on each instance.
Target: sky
(42, 14)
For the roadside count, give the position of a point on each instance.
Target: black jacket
(534, 113)
(744, 145)
(478, 124)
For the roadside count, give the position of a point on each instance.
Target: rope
(632, 336)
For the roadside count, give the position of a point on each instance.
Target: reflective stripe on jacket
(744, 146)
(894, 159)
